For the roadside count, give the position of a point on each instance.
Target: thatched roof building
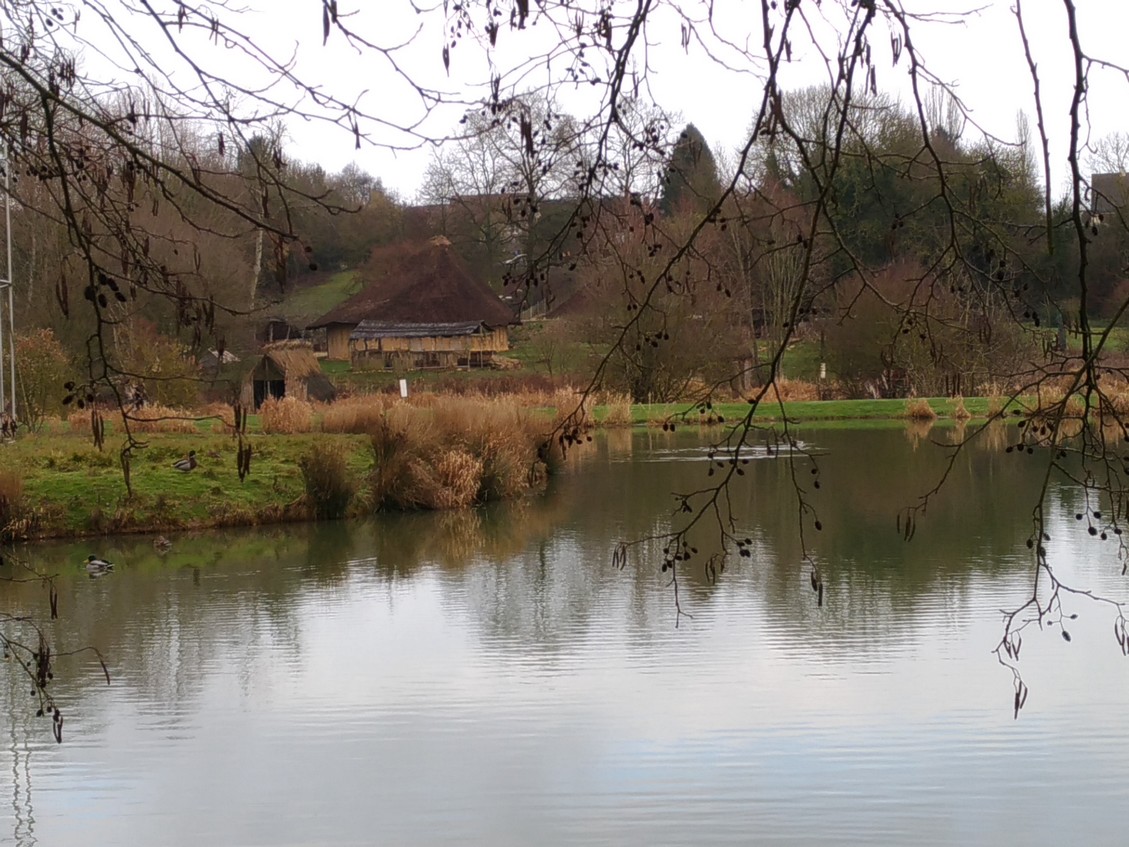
(426, 284)
(287, 369)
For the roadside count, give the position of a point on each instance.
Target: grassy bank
(351, 458)
(800, 411)
(360, 458)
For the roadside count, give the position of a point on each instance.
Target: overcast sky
(979, 53)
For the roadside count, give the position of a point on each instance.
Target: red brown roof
(426, 283)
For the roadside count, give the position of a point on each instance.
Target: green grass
(81, 490)
(801, 411)
(311, 302)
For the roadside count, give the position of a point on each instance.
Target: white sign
(404, 388)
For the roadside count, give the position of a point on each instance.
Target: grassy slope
(311, 302)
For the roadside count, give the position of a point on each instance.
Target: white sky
(980, 54)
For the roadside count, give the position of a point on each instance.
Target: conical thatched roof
(425, 283)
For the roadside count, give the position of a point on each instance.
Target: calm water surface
(490, 678)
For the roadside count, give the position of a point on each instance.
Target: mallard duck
(186, 464)
(96, 566)
(161, 544)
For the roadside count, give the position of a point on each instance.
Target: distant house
(213, 361)
(286, 369)
(416, 293)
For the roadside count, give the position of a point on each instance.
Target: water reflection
(489, 677)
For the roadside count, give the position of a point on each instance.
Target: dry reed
(329, 485)
(14, 520)
(286, 416)
(793, 390)
(358, 414)
(158, 418)
(452, 454)
(618, 406)
(919, 409)
(959, 412)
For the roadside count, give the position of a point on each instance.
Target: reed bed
(453, 454)
(958, 411)
(11, 505)
(157, 418)
(286, 416)
(617, 406)
(918, 409)
(329, 485)
(359, 414)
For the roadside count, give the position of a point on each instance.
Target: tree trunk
(257, 269)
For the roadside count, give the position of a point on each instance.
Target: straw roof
(425, 283)
(294, 358)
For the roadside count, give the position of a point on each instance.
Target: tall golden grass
(329, 485)
(959, 412)
(918, 409)
(157, 418)
(618, 406)
(358, 414)
(453, 454)
(286, 416)
(12, 512)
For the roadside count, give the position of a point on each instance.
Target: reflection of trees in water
(537, 574)
(15, 763)
(404, 543)
(213, 603)
(537, 603)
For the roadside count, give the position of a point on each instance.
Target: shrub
(43, 368)
(164, 365)
(286, 416)
(329, 485)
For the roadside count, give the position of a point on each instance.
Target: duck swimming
(186, 464)
(96, 566)
(161, 544)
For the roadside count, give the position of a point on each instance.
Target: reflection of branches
(1044, 609)
(34, 655)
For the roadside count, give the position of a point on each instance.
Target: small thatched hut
(412, 292)
(286, 369)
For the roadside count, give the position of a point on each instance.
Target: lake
(490, 677)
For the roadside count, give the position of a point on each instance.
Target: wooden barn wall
(445, 351)
(337, 342)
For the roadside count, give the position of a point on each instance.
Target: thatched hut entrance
(268, 381)
(287, 369)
